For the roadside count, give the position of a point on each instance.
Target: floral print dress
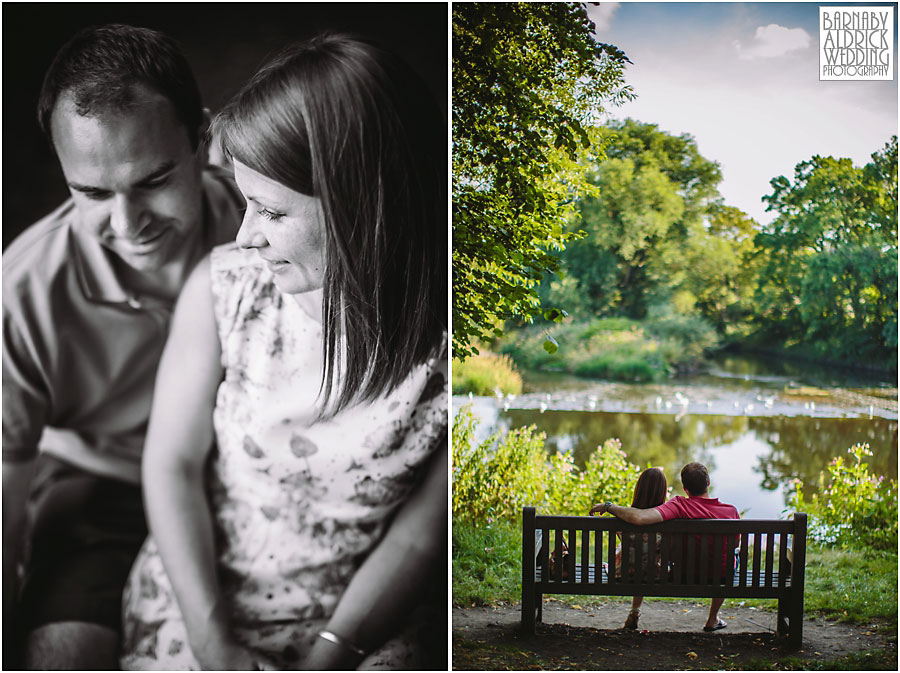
(297, 503)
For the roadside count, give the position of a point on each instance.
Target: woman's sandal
(631, 621)
(719, 625)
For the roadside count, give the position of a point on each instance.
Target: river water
(755, 423)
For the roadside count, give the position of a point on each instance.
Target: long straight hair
(650, 490)
(343, 120)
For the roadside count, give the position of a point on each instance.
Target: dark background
(225, 43)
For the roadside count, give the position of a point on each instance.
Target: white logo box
(856, 43)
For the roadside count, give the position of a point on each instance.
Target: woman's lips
(277, 266)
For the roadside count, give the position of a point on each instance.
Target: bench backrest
(680, 551)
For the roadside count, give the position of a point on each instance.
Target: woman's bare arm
(179, 438)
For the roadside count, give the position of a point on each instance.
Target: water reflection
(750, 459)
(756, 422)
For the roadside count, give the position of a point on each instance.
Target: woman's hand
(223, 653)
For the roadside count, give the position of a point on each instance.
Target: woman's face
(287, 229)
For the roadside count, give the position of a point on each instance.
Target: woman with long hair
(650, 491)
(295, 464)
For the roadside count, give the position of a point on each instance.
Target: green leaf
(554, 315)
(550, 345)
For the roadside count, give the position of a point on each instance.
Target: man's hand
(601, 508)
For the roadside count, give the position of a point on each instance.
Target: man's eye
(95, 196)
(158, 182)
(270, 215)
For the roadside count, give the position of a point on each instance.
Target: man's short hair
(101, 67)
(695, 478)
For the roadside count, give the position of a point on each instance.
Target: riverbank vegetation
(617, 349)
(851, 572)
(486, 374)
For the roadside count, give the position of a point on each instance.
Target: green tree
(720, 270)
(529, 83)
(828, 262)
(655, 193)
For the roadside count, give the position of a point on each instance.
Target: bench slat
(733, 526)
(770, 556)
(757, 550)
(782, 559)
(777, 579)
(745, 550)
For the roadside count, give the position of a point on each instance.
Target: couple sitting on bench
(648, 506)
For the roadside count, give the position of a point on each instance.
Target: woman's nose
(250, 235)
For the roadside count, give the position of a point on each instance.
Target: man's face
(134, 177)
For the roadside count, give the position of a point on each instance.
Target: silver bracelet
(343, 642)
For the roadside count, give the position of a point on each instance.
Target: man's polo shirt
(80, 351)
(697, 507)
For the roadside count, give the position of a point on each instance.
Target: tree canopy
(529, 84)
(829, 259)
(645, 239)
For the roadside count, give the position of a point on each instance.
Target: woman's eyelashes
(270, 215)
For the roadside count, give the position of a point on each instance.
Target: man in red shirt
(698, 505)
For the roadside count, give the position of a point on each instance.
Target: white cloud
(772, 41)
(602, 14)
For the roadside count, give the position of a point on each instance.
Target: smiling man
(88, 293)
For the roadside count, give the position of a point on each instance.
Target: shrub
(486, 374)
(852, 506)
(615, 348)
(691, 333)
(493, 480)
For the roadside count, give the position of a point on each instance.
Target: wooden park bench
(769, 563)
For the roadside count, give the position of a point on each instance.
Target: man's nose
(128, 216)
(250, 235)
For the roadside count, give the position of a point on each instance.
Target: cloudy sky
(743, 80)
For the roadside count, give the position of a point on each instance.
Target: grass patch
(486, 374)
(851, 586)
(869, 660)
(487, 564)
(469, 655)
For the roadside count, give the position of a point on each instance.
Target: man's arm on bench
(632, 515)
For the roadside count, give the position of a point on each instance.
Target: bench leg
(540, 608)
(781, 625)
(795, 626)
(528, 612)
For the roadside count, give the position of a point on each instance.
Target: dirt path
(669, 638)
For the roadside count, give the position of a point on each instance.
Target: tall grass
(486, 374)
